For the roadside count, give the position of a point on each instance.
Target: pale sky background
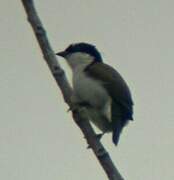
(38, 139)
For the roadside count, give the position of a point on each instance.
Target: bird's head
(80, 54)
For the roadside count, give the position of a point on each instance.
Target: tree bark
(80, 116)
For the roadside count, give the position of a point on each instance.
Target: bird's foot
(73, 108)
(88, 147)
(76, 106)
(99, 136)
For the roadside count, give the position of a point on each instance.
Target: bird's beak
(62, 54)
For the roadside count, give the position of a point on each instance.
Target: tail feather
(119, 120)
(117, 128)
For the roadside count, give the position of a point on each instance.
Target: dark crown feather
(85, 48)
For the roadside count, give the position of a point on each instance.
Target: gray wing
(115, 86)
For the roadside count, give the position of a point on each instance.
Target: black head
(84, 48)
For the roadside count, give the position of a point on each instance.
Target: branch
(80, 117)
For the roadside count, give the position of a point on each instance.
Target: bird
(100, 88)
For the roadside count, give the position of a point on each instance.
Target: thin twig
(80, 117)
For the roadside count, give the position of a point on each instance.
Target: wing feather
(115, 86)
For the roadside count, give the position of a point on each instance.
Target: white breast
(87, 89)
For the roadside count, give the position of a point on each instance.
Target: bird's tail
(117, 128)
(118, 122)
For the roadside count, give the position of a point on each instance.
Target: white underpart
(89, 90)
